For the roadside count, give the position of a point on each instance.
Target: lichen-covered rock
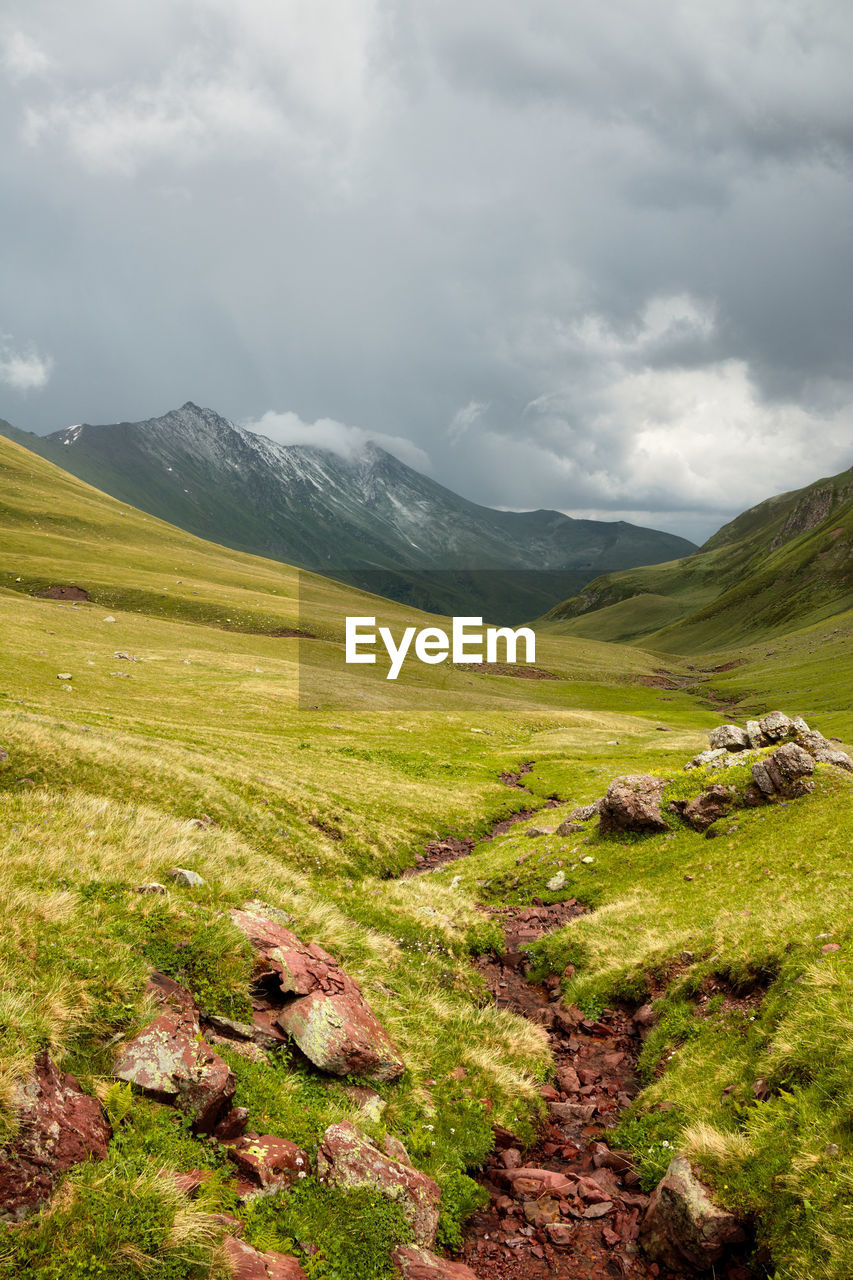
(705, 809)
(170, 1062)
(246, 1263)
(58, 1127)
(776, 725)
(268, 1162)
(786, 774)
(330, 1020)
(683, 1225)
(704, 759)
(730, 737)
(632, 803)
(420, 1264)
(822, 750)
(347, 1158)
(569, 828)
(585, 811)
(756, 737)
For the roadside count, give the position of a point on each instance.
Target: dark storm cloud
(593, 257)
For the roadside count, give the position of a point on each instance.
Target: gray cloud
(585, 257)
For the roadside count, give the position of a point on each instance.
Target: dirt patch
(514, 779)
(58, 592)
(506, 669)
(438, 852)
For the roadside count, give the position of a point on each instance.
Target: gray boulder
(776, 725)
(729, 736)
(786, 774)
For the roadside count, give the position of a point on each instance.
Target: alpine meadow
(153, 723)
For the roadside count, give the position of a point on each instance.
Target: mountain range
(787, 562)
(367, 519)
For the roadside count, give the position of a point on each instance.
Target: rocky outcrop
(786, 774)
(58, 1127)
(632, 803)
(170, 1062)
(683, 1225)
(347, 1158)
(322, 1008)
(246, 1263)
(420, 1264)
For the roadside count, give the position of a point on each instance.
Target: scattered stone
(109, 619)
(632, 803)
(65, 675)
(556, 882)
(4, 755)
(183, 876)
(233, 1125)
(246, 1263)
(569, 828)
(128, 657)
(683, 1224)
(270, 1163)
(588, 859)
(420, 1264)
(786, 773)
(729, 736)
(153, 886)
(585, 812)
(829, 948)
(58, 1127)
(370, 1103)
(330, 1021)
(170, 1062)
(347, 1158)
(533, 832)
(560, 1234)
(582, 1112)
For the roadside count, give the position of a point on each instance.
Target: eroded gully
(570, 1207)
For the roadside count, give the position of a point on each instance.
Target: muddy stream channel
(571, 1206)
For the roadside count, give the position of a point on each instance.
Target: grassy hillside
(784, 564)
(316, 806)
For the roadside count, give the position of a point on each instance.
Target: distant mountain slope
(370, 519)
(785, 563)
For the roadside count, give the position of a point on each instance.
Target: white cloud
(23, 370)
(464, 418)
(23, 58)
(326, 433)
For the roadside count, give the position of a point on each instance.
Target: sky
(595, 257)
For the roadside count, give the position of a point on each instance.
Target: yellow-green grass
(319, 800)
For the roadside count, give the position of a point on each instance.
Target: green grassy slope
(785, 563)
(317, 802)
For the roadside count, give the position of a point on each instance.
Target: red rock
(170, 1062)
(246, 1263)
(271, 1163)
(233, 1125)
(330, 1021)
(511, 1158)
(568, 1080)
(598, 1210)
(684, 1225)
(420, 1264)
(347, 1158)
(529, 1181)
(578, 1111)
(341, 1034)
(632, 803)
(191, 1182)
(560, 1234)
(549, 1094)
(58, 1127)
